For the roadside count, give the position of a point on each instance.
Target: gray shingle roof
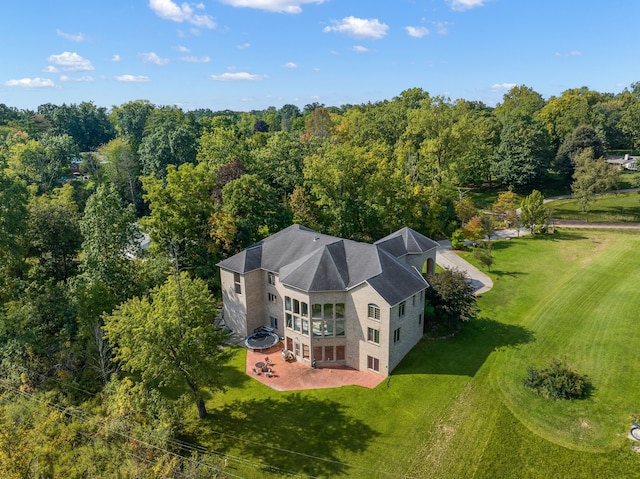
(406, 241)
(311, 261)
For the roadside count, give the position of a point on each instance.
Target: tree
(123, 170)
(111, 236)
(505, 208)
(473, 230)
(452, 299)
(54, 232)
(519, 102)
(14, 198)
(170, 139)
(42, 162)
(254, 208)
(280, 162)
(340, 178)
(581, 138)
(220, 146)
(130, 119)
(465, 210)
(319, 123)
(523, 154)
(591, 176)
(533, 213)
(483, 252)
(170, 335)
(180, 207)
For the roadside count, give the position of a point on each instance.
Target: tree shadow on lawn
(267, 430)
(464, 353)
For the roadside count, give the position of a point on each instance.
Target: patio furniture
(268, 373)
(260, 365)
(268, 361)
(256, 371)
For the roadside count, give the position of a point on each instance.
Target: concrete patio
(296, 375)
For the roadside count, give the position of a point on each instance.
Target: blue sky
(251, 54)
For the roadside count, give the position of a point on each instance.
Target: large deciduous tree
(111, 237)
(576, 142)
(591, 176)
(170, 138)
(170, 336)
(523, 154)
(180, 207)
(54, 232)
(452, 299)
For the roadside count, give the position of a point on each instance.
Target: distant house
(335, 302)
(625, 162)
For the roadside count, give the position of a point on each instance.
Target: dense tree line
(80, 185)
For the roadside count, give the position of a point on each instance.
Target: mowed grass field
(456, 408)
(610, 208)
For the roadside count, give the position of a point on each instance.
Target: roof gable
(406, 241)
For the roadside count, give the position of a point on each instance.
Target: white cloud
(191, 59)
(290, 65)
(244, 46)
(181, 49)
(360, 49)
(169, 10)
(502, 86)
(133, 78)
(86, 78)
(115, 58)
(74, 37)
(359, 27)
(417, 32)
(281, 6)
(441, 28)
(71, 62)
(239, 76)
(461, 5)
(50, 69)
(151, 57)
(31, 83)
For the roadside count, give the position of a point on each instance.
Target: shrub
(457, 239)
(557, 381)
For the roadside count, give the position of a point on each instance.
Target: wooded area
(80, 184)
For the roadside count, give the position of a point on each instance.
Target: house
(335, 302)
(625, 162)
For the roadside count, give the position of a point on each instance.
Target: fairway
(456, 407)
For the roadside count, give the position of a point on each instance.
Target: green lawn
(456, 408)
(611, 208)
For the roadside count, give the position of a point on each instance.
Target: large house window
(272, 278)
(294, 319)
(373, 311)
(274, 322)
(327, 320)
(373, 364)
(236, 283)
(396, 335)
(401, 309)
(340, 353)
(272, 297)
(373, 335)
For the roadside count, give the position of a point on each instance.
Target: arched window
(373, 311)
